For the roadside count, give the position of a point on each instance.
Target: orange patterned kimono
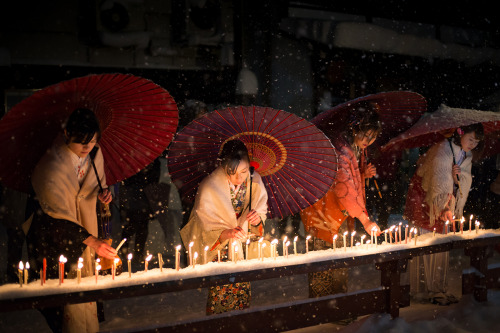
(345, 198)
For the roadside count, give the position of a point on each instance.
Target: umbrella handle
(252, 169)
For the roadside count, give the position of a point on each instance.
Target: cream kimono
(63, 199)
(213, 212)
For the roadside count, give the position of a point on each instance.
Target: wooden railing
(389, 297)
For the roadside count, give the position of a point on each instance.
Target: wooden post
(391, 280)
(479, 261)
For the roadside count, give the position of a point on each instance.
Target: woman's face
(364, 139)
(241, 173)
(468, 141)
(82, 150)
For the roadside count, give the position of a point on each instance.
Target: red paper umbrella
(436, 126)
(398, 111)
(297, 161)
(138, 120)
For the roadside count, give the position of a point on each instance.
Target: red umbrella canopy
(137, 117)
(398, 111)
(296, 160)
(436, 126)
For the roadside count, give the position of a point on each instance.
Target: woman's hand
(455, 171)
(373, 226)
(253, 218)
(237, 233)
(370, 171)
(101, 247)
(105, 196)
(446, 215)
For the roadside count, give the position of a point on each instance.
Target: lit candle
(470, 223)
(434, 232)
(235, 259)
(246, 247)
(295, 245)
(358, 244)
(477, 226)
(62, 260)
(146, 262)
(416, 235)
(352, 237)
(362, 240)
(286, 248)
(406, 234)
(129, 257)
(218, 256)
(454, 227)
(345, 241)
(385, 235)
(411, 232)
(284, 244)
(462, 220)
(205, 250)
(20, 273)
(368, 244)
(375, 236)
(274, 245)
(113, 268)
(399, 231)
(79, 270)
(97, 269)
(390, 234)
(41, 277)
(191, 253)
(160, 261)
(372, 232)
(446, 226)
(26, 267)
(307, 242)
(195, 256)
(334, 245)
(177, 257)
(263, 246)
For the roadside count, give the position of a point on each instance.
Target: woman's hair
(233, 152)
(478, 131)
(81, 126)
(364, 118)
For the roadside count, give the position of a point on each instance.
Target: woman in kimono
(437, 193)
(221, 215)
(66, 189)
(345, 200)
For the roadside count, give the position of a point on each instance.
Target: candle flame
(363, 237)
(415, 231)
(236, 249)
(117, 260)
(345, 233)
(261, 239)
(264, 245)
(447, 222)
(27, 265)
(368, 242)
(178, 247)
(295, 238)
(98, 260)
(129, 256)
(386, 231)
(63, 259)
(411, 230)
(98, 267)
(335, 236)
(191, 244)
(309, 237)
(358, 244)
(400, 223)
(21, 265)
(275, 241)
(462, 220)
(195, 255)
(206, 248)
(248, 241)
(353, 233)
(80, 259)
(80, 265)
(471, 216)
(287, 243)
(148, 258)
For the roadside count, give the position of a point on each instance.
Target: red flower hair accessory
(460, 131)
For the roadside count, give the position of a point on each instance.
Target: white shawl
(435, 169)
(56, 186)
(213, 212)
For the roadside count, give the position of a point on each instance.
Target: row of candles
(393, 232)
